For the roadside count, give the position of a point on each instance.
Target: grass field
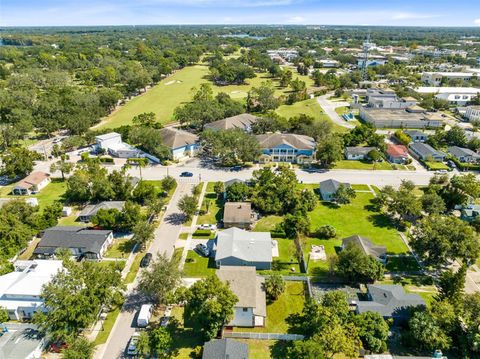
(163, 98)
(290, 302)
(435, 166)
(267, 223)
(362, 165)
(197, 266)
(215, 209)
(121, 248)
(184, 338)
(107, 327)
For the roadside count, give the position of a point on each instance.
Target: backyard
(362, 165)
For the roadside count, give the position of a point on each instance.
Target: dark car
(186, 174)
(236, 168)
(146, 260)
(202, 249)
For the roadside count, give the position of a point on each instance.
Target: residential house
(228, 183)
(237, 247)
(472, 113)
(22, 341)
(238, 214)
(437, 78)
(243, 121)
(397, 153)
(225, 348)
(470, 212)
(182, 144)
(91, 210)
(357, 153)
(425, 152)
(454, 95)
(390, 301)
(416, 136)
(286, 147)
(112, 144)
(327, 63)
(463, 154)
(20, 290)
(367, 247)
(329, 188)
(82, 242)
(31, 184)
(251, 308)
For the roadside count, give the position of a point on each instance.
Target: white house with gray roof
(464, 154)
(89, 211)
(390, 301)
(366, 246)
(425, 152)
(237, 247)
(251, 308)
(357, 153)
(182, 144)
(329, 188)
(416, 136)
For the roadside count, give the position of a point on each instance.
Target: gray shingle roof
(92, 209)
(225, 349)
(366, 246)
(237, 212)
(299, 142)
(358, 150)
(425, 149)
(331, 186)
(413, 133)
(243, 121)
(245, 245)
(20, 343)
(72, 237)
(389, 300)
(461, 152)
(175, 138)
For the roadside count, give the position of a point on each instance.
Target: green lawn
(267, 223)
(121, 248)
(362, 165)
(360, 187)
(197, 266)
(184, 338)
(51, 193)
(286, 260)
(214, 214)
(434, 166)
(102, 336)
(290, 302)
(402, 264)
(132, 273)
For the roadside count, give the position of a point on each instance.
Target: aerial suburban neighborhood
(271, 189)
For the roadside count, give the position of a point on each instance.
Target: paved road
(329, 108)
(165, 237)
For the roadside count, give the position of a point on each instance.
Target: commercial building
(412, 117)
(472, 113)
(455, 95)
(286, 147)
(112, 144)
(20, 290)
(387, 98)
(437, 78)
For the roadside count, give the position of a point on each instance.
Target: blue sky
(329, 12)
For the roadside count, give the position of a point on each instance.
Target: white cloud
(412, 16)
(296, 20)
(477, 22)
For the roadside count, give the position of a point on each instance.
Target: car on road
(147, 258)
(202, 249)
(236, 168)
(212, 227)
(451, 164)
(186, 174)
(132, 345)
(57, 140)
(441, 171)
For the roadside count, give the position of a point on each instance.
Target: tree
(262, 99)
(306, 349)
(326, 232)
(3, 315)
(188, 205)
(427, 333)
(375, 155)
(209, 304)
(219, 189)
(286, 77)
(308, 200)
(330, 151)
(63, 166)
(160, 342)
(344, 194)
(106, 218)
(337, 339)
(161, 279)
(230, 147)
(79, 348)
(144, 192)
(17, 162)
(274, 286)
(451, 284)
(373, 331)
(168, 183)
(74, 298)
(296, 224)
(147, 119)
(441, 239)
(432, 203)
(356, 266)
(238, 192)
(143, 232)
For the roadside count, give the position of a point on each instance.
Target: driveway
(165, 238)
(329, 108)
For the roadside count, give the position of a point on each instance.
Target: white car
(212, 227)
(132, 344)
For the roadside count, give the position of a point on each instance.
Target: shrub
(326, 232)
(203, 233)
(105, 159)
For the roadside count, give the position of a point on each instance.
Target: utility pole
(366, 48)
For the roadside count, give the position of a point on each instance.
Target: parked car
(441, 171)
(166, 316)
(186, 174)
(144, 315)
(451, 164)
(236, 168)
(202, 249)
(132, 344)
(212, 227)
(147, 258)
(57, 140)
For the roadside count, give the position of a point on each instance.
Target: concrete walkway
(329, 109)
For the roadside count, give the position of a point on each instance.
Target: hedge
(105, 159)
(203, 233)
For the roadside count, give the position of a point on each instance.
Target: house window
(245, 309)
